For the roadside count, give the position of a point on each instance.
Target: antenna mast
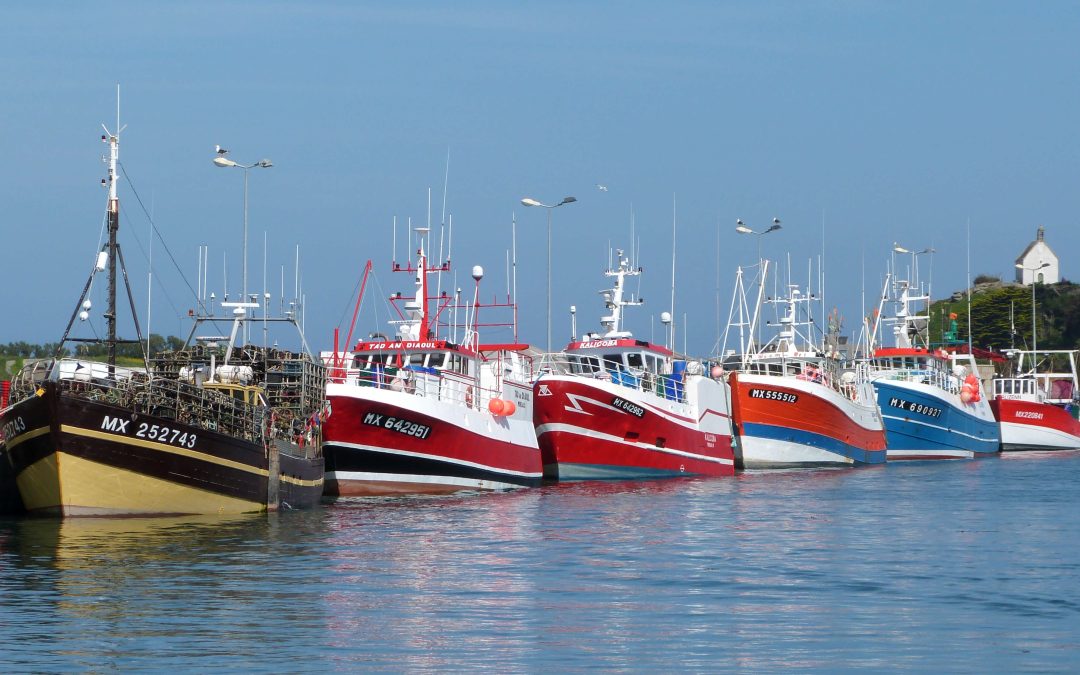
(114, 225)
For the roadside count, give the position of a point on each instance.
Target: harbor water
(964, 566)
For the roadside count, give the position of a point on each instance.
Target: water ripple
(959, 567)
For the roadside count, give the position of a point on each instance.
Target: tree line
(1001, 316)
(30, 350)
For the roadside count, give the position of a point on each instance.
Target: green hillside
(1057, 315)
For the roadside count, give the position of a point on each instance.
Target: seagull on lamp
(220, 150)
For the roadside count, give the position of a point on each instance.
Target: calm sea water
(969, 566)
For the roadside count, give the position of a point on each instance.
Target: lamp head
(224, 162)
(742, 229)
(529, 201)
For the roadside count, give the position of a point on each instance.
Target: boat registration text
(398, 424)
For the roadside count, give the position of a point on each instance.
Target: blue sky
(865, 122)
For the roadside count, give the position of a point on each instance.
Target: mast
(114, 225)
(614, 298)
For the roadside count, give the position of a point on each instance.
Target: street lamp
(900, 249)
(741, 228)
(1033, 270)
(897, 248)
(528, 201)
(227, 163)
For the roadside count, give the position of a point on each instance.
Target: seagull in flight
(220, 150)
(601, 188)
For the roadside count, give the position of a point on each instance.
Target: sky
(858, 124)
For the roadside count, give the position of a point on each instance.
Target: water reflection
(943, 566)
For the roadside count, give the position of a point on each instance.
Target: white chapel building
(1038, 263)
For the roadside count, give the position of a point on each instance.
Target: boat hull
(923, 422)
(10, 501)
(594, 429)
(787, 422)
(382, 442)
(75, 457)
(1030, 425)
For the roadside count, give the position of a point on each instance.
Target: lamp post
(1033, 270)
(227, 163)
(741, 228)
(913, 278)
(528, 201)
(897, 248)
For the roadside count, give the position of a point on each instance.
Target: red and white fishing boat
(1037, 408)
(792, 406)
(613, 407)
(425, 412)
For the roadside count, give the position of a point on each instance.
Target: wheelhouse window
(584, 365)
(613, 361)
(438, 360)
(652, 364)
(635, 360)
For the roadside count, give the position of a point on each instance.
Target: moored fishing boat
(184, 434)
(612, 406)
(792, 405)
(930, 399)
(1037, 406)
(423, 412)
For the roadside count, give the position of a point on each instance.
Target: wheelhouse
(1017, 388)
(434, 357)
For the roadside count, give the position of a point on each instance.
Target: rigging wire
(158, 232)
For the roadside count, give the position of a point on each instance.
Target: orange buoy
(497, 406)
(509, 408)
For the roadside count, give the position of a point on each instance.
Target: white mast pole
(671, 344)
(150, 274)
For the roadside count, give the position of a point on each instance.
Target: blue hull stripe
(813, 440)
(952, 429)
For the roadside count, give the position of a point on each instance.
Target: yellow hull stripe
(26, 436)
(301, 482)
(162, 447)
(81, 487)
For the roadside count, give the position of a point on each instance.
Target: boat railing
(665, 386)
(809, 369)
(425, 382)
(161, 397)
(930, 376)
